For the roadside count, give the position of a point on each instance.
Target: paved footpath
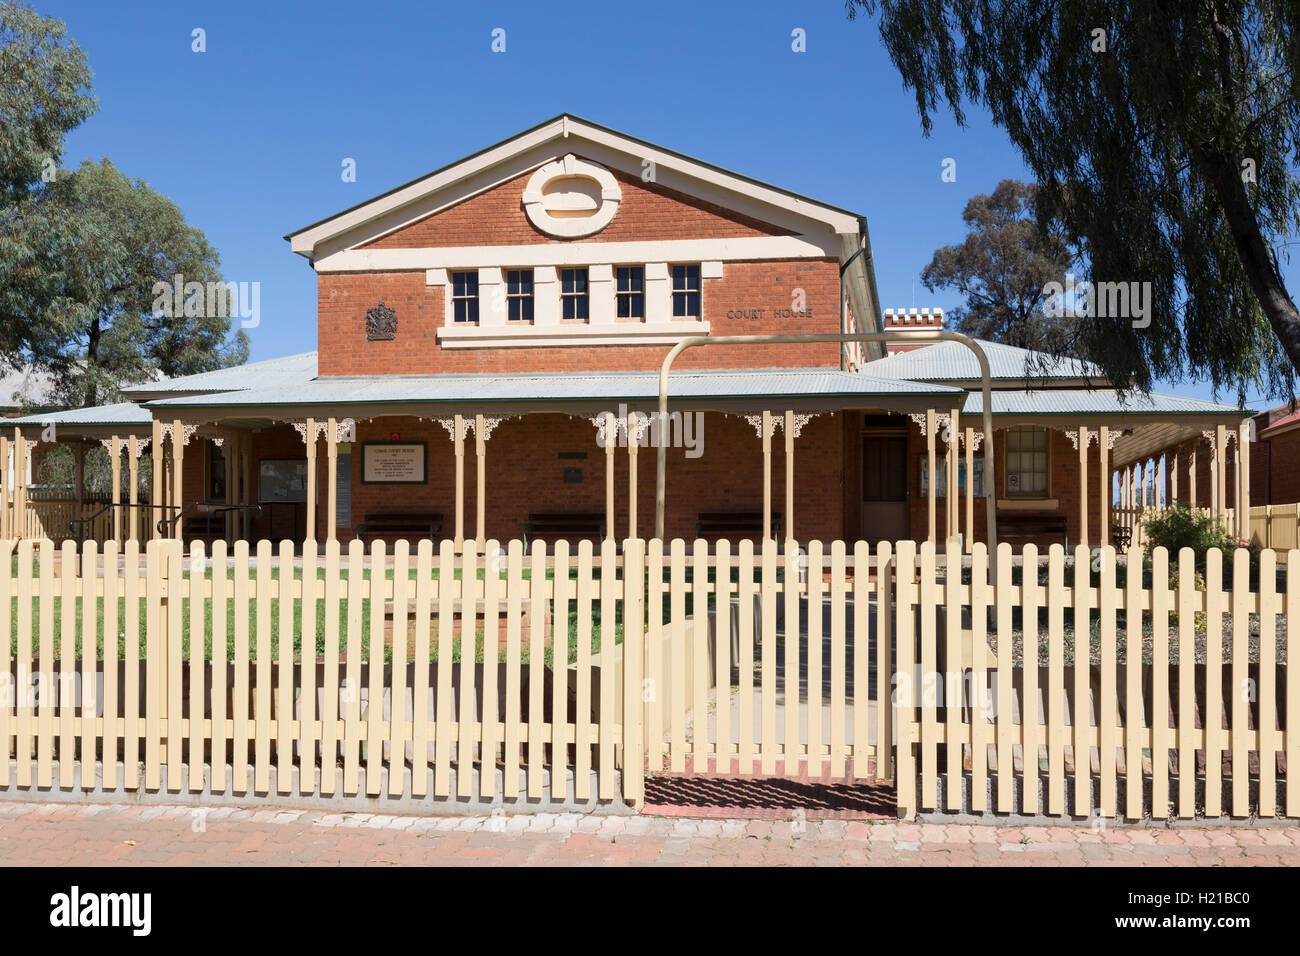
(107, 835)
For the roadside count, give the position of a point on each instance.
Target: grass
(272, 638)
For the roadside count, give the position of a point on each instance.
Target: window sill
(522, 335)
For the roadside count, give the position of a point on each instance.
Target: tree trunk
(1261, 271)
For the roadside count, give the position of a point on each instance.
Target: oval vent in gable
(571, 197)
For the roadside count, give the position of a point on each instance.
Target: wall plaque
(381, 323)
(393, 463)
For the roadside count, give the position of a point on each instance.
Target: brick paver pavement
(112, 835)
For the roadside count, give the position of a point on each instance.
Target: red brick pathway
(51, 834)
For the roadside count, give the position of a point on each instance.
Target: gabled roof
(954, 362)
(565, 134)
(569, 387)
(287, 370)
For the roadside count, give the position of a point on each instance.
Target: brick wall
(647, 212)
(344, 298)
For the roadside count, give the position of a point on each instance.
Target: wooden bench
(568, 527)
(422, 524)
(1027, 524)
(721, 524)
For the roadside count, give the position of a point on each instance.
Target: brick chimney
(911, 319)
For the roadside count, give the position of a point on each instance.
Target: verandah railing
(1092, 685)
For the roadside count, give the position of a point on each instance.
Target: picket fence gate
(573, 672)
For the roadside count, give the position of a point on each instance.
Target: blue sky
(248, 137)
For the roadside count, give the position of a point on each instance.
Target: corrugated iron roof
(123, 413)
(598, 386)
(954, 362)
(1102, 401)
(287, 370)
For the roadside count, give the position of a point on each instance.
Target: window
(686, 292)
(282, 479)
(216, 472)
(1027, 461)
(573, 294)
(519, 295)
(464, 296)
(631, 292)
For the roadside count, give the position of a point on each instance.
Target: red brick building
(481, 329)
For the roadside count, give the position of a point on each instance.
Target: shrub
(1180, 526)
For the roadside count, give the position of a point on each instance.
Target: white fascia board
(305, 241)
(581, 254)
(547, 144)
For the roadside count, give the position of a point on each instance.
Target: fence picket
(862, 697)
(307, 669)
(197, 664)
(1241, 691)
(815, 575)
(1212, 717)
(560, 726)
(954, 667)
(490, 738)
(677, 653)
(398, 724)
(359, 603)
(88, 698)
(1057, 598)
(282, 712)
(63, 690)
(448, 591)
(1161, 739)
(982, 713)
(793, 645)
(722, 665)
(1292, 683)
(420, 690)
(699, 662)
(1030, 730)
(262, 676)
(1187, 736)
(329, 710)
(839, 611)
(373, 748)
(656, 679)
(1004, 728)
(7, 636)
(514, 612)
(23, 741)
(582, 721)
(608, 680)
(242, 695)
(1268, 731)
(1081, 717)
(220, 655)
(1133, 703)
(154, 664)
(767, 746)
(539, 623)
(908, 691)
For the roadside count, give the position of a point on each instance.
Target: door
(884, 488)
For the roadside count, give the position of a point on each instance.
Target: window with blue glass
(519, 295)
(464, 296)
(686, 292)
(573, 294)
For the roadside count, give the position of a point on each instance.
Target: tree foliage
(81, 251)
(1164, 137)
(1002, 267)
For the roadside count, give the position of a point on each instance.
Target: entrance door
(884, 487)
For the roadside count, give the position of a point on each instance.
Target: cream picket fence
(153, 708)
(599, 666)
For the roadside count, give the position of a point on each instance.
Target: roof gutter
(858, 279)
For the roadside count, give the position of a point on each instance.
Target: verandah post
(930, 470)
